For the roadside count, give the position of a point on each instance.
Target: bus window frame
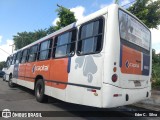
(132, 45)
(8, 60)
(14, 60)
(79, 33)
(26, 57)
(19, 57)
(34, 53)
(54, 39)
(50, 49)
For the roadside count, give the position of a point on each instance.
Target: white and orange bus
(103, 60)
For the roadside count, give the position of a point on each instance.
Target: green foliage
(24, 38)
(2, 65)
(147, 11)
(51, 29)
(155, 69)
(66, 17)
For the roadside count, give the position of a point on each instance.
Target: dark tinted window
(90, 38)
(32, 53)
(8, 62)
(14, 59)
(18, 57)
(45, 50)
(64, 44)
(24, 56)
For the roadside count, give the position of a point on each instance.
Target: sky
(29, 15)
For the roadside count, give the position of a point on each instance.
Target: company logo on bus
(39, 68)
(133, 65)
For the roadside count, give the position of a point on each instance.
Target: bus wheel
(10, 82)
(39, 91)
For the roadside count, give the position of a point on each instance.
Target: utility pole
(12, 47)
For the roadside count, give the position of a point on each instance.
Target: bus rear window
(132, 31)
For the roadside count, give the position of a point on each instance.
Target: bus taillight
(114, 77)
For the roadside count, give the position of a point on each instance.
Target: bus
(102, 60)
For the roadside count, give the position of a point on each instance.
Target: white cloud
(7, 48)
(155, 33)
(55, 21)
(0, 38)
(78, 12)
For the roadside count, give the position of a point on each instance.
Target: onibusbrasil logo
(7, 113)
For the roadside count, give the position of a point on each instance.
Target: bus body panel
(87, 74)
(134, 95)
(58, 72)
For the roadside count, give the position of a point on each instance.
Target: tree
(51, 29)
(2, 65)
(147, 11)
(66, 17)
(155, 68)
(24, 38)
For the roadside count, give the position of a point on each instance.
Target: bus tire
(10, 82)
(39, 91)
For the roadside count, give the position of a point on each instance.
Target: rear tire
(39, 91)
(10, 82)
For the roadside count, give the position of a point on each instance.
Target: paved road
(22, 99)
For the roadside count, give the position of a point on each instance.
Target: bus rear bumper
(115, 96)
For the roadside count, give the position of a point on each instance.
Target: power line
(4, 51)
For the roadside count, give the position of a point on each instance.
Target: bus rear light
(114, 77)
(114, 69)
(93, 90)
(117, 95)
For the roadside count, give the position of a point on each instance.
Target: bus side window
(18, 57)
(45, 50)
(24, 56)
(11, 59)
(14, 59)
(32, 53)
(90, 37)
(64, 44)
(8, 62)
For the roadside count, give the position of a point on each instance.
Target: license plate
(137, 83)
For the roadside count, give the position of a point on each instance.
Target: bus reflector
(114, 69)
(114, 77)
